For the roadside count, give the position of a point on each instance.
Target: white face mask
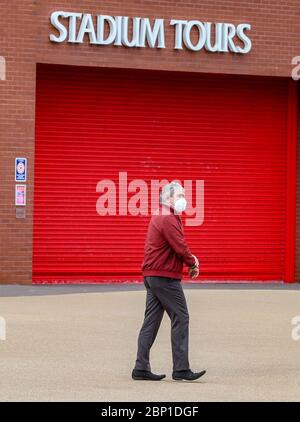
(180, 205)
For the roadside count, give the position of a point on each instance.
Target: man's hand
(193, 272)
(196, 261)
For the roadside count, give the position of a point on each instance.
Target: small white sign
(20, 195)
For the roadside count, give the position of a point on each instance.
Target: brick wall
(17, 94)
(24, 41)
(275, 36)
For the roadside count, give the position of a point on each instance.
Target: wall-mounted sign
(20, 169)
(20, 212)
(140, 32)
(20, 195)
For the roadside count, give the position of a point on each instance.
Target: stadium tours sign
(193, 35)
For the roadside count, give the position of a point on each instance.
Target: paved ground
(79, 343)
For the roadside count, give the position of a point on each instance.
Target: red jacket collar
(167, 208)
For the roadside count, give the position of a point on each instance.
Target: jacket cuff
(190, 261)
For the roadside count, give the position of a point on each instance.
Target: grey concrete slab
(82, 347)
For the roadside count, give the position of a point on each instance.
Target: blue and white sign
(20, 169)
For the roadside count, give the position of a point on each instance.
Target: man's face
(178, 193)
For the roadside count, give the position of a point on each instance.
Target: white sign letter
(87, 27)
(152, 35)
(101, 19)
(135, 32)
(243, 37)
(187, 35)
(178, 32)
(218, 37)
(72, 26)
(59, 26)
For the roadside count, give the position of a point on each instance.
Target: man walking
(165, 253)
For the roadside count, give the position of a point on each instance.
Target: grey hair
(168, 191)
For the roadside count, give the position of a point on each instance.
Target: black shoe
(146, 376)
(187, 375)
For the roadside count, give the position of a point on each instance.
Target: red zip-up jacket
(165, 249)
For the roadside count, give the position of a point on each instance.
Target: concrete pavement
(79, 343)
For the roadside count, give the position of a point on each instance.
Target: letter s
(243, 37)
(59, 26)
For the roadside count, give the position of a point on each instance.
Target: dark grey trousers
(164, 294)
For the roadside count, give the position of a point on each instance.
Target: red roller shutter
(229, 131)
